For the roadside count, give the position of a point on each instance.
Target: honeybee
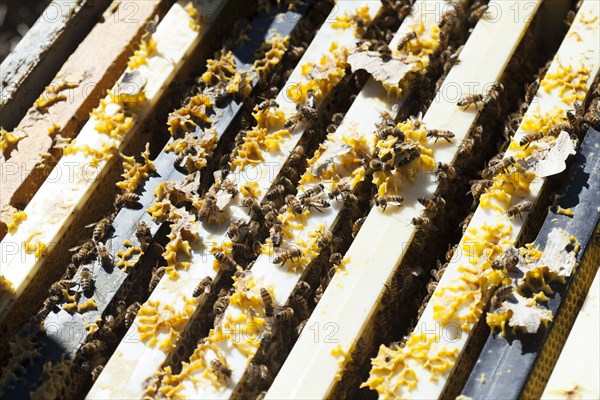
(508, 261)
(473, 99)
(378, 165)
(254, 206)
(437, 273)
(245, 250)
(325, 239)
(97, 371)
(445, 171)
(269, 103)
(266, 336)
(592, 116)
(228, 186)
(254, 230)
(406, 39)
(320, 290)
(356, 225)
(517, 209)
(126, 199)
(283, 314)
(494, 170)
(258, 375)
(341, 189)
(385, 132)
(317, 202)
(222, 302)
(276, 193)
(478, 12)
(57, 287)
(312, 191)
(388, 200)
(220, 369)
(336, 259)
(267, 300)
(237, 228)
(432, 206)
(304, 112)
(100, 229)
(478, 187)
(493, 93)
(50, 303)
(405, 153)
(70, 271)
(276, 234)
(558, 128)
(104, 255)
(157, 275)
(294, 203)
(451, 252)
(530, 137)
(476, 133)
(301, 306)
(296, 155)
(431, 286)
(270, 218)
(92, 347)
(440, 134)
(531, 90)
(202, 287)
(225, 260)
(576, 116)
(423, 223)
(131, 313)
(284, 254)
(466, 147)
(476, 99)
(465, 223)
(501, 294)
(291, 174)
(143, 233)
(86, 280)
(82, 253)
(209, 206)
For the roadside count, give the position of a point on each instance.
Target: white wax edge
(66, 191)
(133, 358)
(578, 366)
(351, 297)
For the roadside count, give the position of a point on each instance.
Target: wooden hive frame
(40, 53)
(205, 326)
(89, 164)
(446, 310)
(172, 295)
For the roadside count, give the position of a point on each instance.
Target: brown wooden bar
(41, 52)
(92, 69)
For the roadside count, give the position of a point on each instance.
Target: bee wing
(91, 225)
(75, 248)
(99, 296)
(332, 150)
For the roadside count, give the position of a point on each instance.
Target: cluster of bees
(246, 235)
(575, 123)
